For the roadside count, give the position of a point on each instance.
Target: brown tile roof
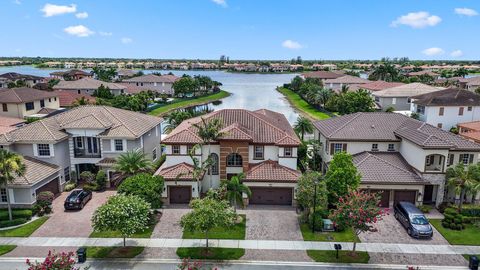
(423, 72)
(347, 79)
(472, 80)
(262, 127)
(377, 85)
(46, 111)
(271, 171)
(13, 76)
(68, 98)
(448, 97)
(236, 132)
(118, 123)
(72, 72)
(23, 94)
(475, 125)
(471, 135)
(86, 83)
(36, 171)
(385, 168)
(131, 88)
(382, 126)
(150, 78)
(178, 172)
(322, 75)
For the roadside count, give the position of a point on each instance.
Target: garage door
(404, 196)
(180, 194)
(385, 197)
(268, 195)
(51, 186)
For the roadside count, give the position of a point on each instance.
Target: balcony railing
(83, 153)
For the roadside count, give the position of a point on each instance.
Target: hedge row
(16, 213)
(471, 210)
(13, 222)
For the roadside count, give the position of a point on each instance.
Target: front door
(428, 194)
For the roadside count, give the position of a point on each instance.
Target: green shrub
(471, 220)
(16, 213)
(45, 198)
(13, 222)
(148, 187)
(318, 221)
(471, 210)
(425, 208)
(90, 187)
(159, 162)
(87, 176)
(69, 186)
(101, 180)
(453, 219)
(443, 206)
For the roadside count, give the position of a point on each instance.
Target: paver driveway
(71, 223)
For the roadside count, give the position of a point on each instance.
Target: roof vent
(372, 126)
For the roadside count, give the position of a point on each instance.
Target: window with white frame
(118, 145)
(391, 147)
(43, 150)
(258, 152)
(375, 147)
(78, 142)
(337, 147)
(176, 149)
(154, 153)
(466, 158)
(288, 151)
(66, 172)
(3, 195)
(450, 159)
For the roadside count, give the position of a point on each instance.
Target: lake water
(249, 91)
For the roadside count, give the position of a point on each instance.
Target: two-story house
(399, 97)
(446, 108)
(344, 81)
(471, 84)
(161, 84)
(261, 144)
(88, 86)
(13, 77)
(71, 75)
(404, 158)
(23, 102)
(80, 139)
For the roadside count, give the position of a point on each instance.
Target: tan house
(13, 77)
(88, 86)
(161, 84)
(24, 102)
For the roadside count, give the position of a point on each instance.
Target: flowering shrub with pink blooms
(358, 210)
(188, 264)
(55, 261)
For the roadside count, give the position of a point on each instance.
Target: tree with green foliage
(174, 119)
(80, 102)
(302, 126)
(386, 72)
(51, 83)
(127, 214)
(146, 186)
(206, 214)
(103, 92)
(236, 189)
(106, 75)
(461, 72)
(358, 210)
(16, 84)
(306, 192)
(296, 83)
(11, 167)
(341, 177)
(132, 162)
(352, 102)
(184, 85)
(463, 180)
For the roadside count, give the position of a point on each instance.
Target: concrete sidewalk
(246, 244)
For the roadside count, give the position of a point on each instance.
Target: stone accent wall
(228, 147)
(439, 180)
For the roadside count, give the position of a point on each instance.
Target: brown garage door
(385, 197)
(51, 186)
(268, 195)
(404, 196)
(180, 194)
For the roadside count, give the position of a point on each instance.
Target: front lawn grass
(346, 236)
(467, 256)
(236, 232)
(301, 105)
(24, 231)
(345, 256)
(219, 254)
(469, 236)
(113, 252)
(6, 249)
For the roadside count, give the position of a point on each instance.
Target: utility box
(328, 226)
(82, 254)
(473, 262)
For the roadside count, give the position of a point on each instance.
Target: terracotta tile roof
(86, 83)
(322, 75)
(382, 126)
(72, 72)
(376, 85)
(271, 171)
(236, 132)
(347, 79)
(131, 88)
(178, 172)
(448, 97)
(23, 94)
(106, 162)
(262, 127)
(385, 168)
(407, 90)
(423, 72)
(36, 171)
(118, 123)
(150, 78)
(475, 125)
(68, 98)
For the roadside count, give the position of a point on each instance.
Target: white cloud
(433, 51)
(222, 3)
(82, 15)
(79, 31)
(290, 44)
(126, 40)
(105, 34)
(466, 12)
(456, 53)
(50, 10)
(18, 2)
(419, 19)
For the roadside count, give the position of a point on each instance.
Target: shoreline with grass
(302, 106)
(160, 111)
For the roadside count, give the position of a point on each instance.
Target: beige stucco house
(24, 102)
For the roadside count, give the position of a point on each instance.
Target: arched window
(214, 167)
(234, 160)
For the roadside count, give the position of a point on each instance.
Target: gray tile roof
(383, 126)
(385, 168)
(407, 90)
(116, 122)
(448, 97)
(36, 171)
(151, 78)
(86, 83)
(23, 94)
(348, 79)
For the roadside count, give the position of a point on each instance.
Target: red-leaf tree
(358, 210)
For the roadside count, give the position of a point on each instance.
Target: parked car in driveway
(77, 199)
(413, 220)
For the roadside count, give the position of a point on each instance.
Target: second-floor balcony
(435, 163)
(86, 147)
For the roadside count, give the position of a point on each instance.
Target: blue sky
(242, 29)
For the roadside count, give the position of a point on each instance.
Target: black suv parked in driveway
(77, 199)
(413, 220)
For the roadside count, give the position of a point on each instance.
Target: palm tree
(174, 119)
(132, 162)
(323, 96)
(235, 190)
(463, 180)
(302, 126)
(11, 166)
(81, 101)
(209, 131)
(199, 168)
(385, 72)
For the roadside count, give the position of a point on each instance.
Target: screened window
(337, 147)
(3, 195)
(234, 160)
(466, 158)
(43, 150)
(258, 152)
(79, 142)
(214, 168)
(421, 109)
(29, 106)
(391, 147)
(176, 149)
(154, 154)
(288, 151)
(118, 145)
(375, 147)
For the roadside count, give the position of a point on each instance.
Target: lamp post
(315, 183)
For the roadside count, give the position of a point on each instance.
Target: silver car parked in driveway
(413, 220)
